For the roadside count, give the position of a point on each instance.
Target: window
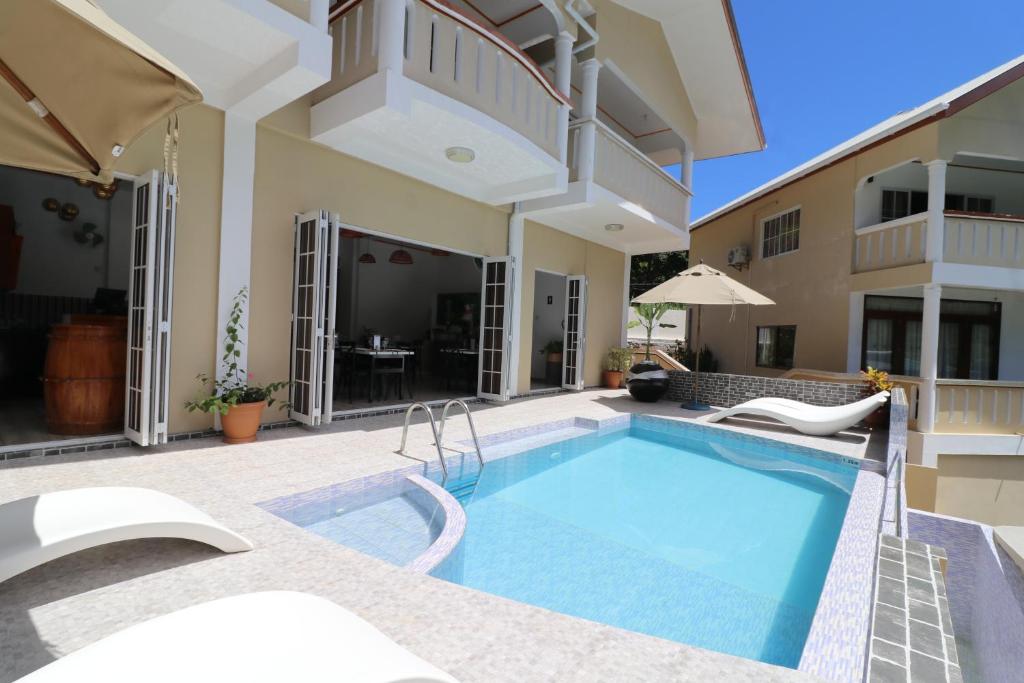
(968, 337)
(775, 346)
(780, 234)
(902, 203)
(967, 202)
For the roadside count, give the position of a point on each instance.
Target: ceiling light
(400, 257)
(460, 155)
(614, 227)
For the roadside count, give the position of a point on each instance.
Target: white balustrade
(978, 407)
(984, 240)
(891, 244)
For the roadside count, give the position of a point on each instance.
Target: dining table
(381, 362)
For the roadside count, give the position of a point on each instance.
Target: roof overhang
(706, 47)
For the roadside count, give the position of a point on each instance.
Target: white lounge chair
(41, 528)
(813, 420)
(274, 637)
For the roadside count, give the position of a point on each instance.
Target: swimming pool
(690, 534)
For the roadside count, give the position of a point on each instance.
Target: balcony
(425, 91)
(891, 244)
(615, 184)
(978, 407)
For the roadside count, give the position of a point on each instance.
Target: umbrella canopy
(76, 87)
(703, 285)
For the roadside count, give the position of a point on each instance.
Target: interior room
(408, 323)
(548, 330)
(64, 267)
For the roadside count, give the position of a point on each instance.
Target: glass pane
(949, 349)
(912, 348)
(878, 345)
(785, 343)
(981, 351)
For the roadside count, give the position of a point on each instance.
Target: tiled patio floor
(69, 603)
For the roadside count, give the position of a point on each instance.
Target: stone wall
(725, 391)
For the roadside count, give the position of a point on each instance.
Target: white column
(235, 226)
(929, 357)
(855, 331)
(516, 230)
(588, 110)
(686, 178)
(563, 62)
(391, 46)
(318, 10)
(626, 270)
(936, 208)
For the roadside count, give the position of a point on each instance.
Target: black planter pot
(647, 381)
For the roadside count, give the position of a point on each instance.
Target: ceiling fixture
(367, 258)
(614, 227)
(400, 257)
(460, 155)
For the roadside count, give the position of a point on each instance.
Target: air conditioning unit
(739, 257)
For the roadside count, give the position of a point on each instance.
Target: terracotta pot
(242, 422)
(555, 357)
(612, 379)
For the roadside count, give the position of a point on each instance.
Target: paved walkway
(66, 604)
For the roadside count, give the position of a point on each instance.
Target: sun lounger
(41, 528)
(259, 637)
(813, 420)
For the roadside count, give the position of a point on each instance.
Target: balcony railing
(978, 407)
(984, 239)
(891, 244)
(623, 169)
(451, 54)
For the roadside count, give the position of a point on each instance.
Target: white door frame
(504, 391)
(580, 350)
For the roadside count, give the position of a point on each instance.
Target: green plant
(553, 346)
(618, 359)
(234, 388)
(683, 354)
(649, 317)
(877, 380)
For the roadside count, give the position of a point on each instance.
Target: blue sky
(824, 70)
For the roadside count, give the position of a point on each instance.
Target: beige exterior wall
(196, 252)
(810, 286)
(296, 176)
(553, 251)
(985, 488)
(637, 47)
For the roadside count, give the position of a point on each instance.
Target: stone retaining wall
(723, 390)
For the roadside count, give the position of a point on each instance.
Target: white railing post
(563, 83)
(936, 206)
(588, 110)
(929, 357)
(391, 41)
(686, 178)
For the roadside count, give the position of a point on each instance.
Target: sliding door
(495, 328)
(314, 294)
(150, 283)
(575, 338)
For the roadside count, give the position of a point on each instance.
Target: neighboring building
(451, 156)
(900, 249)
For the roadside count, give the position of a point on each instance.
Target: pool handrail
(433, 428)
(472, 428)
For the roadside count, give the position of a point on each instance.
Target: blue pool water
(717, 543)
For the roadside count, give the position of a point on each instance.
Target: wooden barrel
(83, 382)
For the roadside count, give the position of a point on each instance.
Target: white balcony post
(563, 62)
(854, 332)
(626, 276)
(686, 178)
(588, 110)
(391, 50)
(929, 356)
(936, 207)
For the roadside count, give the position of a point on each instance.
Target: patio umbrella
(702, 286)
(76, 87)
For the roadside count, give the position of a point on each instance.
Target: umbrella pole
(696, 404)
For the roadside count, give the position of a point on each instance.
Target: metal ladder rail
(433, 428)
(472, 427)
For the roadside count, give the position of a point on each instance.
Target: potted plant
(616, 362)
(553, 368)
(647, 380)
(239, 403)
(877, 380)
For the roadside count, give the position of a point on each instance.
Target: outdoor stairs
(463, 489)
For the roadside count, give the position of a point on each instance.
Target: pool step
(462, 489)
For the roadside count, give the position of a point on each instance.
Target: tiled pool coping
(451, 533)
(836, 645)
